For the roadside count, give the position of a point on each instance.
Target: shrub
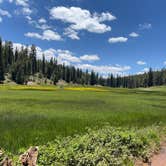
(104, 147)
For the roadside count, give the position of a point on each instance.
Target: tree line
(22, 63)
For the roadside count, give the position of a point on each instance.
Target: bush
(105, 147)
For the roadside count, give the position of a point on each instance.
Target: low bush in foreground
(105, 147)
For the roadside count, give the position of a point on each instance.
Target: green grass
(30, 116)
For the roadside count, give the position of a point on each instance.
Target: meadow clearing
(36, 115)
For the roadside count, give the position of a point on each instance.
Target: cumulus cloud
(71, 34)
(67, 55)
(5, 13)
(104, 17)
(33, 35)
(82, 19)
(90, 58)
(134, 34)
(19, 46)
(28, 18)
(26, 11)
(23, 3)
(63, 56)
(141, 62)
(36, 24)
(51, 35)
(42, 21)
(43, 27)
(117, 40)
(25, 7)
(105, 69)
(145, 26)
(145, 70)
(47, 35)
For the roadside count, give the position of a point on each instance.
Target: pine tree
(33, 60)
(1, 63)
(93, 78)
(150, 77)
(16, 55)
(43, 65)
(20, 77)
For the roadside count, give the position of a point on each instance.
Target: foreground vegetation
(39, 114)
(109, 146)
(104, 147)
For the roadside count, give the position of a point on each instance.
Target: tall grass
(33, 117)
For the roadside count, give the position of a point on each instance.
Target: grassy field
(36, 115)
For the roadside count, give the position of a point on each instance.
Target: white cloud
(28, 18)
(1, 1)
(105, 17)
(145, 26)
(145, 70)
(133, 34)
(0, 19)
(49, 53)
(43, 27)
(23, 3)
(47, 35)
(25, 7)
(67, 55)
(42, 21)
(164, 62)
(105, 69)
(33, 35)
(82, 19)
(51, 35)
(38, 25)
(71, 34)
(26, 11)
(141, 62)
(62, 56)
(90, 58)
(5, 13)
(18, 46)
(117, 40)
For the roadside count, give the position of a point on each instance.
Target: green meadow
(37, 115)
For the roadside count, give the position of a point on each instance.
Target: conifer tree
(1, 63)
(150, 77)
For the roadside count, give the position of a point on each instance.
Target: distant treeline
(21, 64)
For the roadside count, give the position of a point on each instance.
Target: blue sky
(108, 36)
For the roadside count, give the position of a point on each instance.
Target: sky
(107, 36)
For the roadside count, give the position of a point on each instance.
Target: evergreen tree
(1, 63)
(150, 77)
(20, 77)
(33, 60)
(43, 65)
(93, 78)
